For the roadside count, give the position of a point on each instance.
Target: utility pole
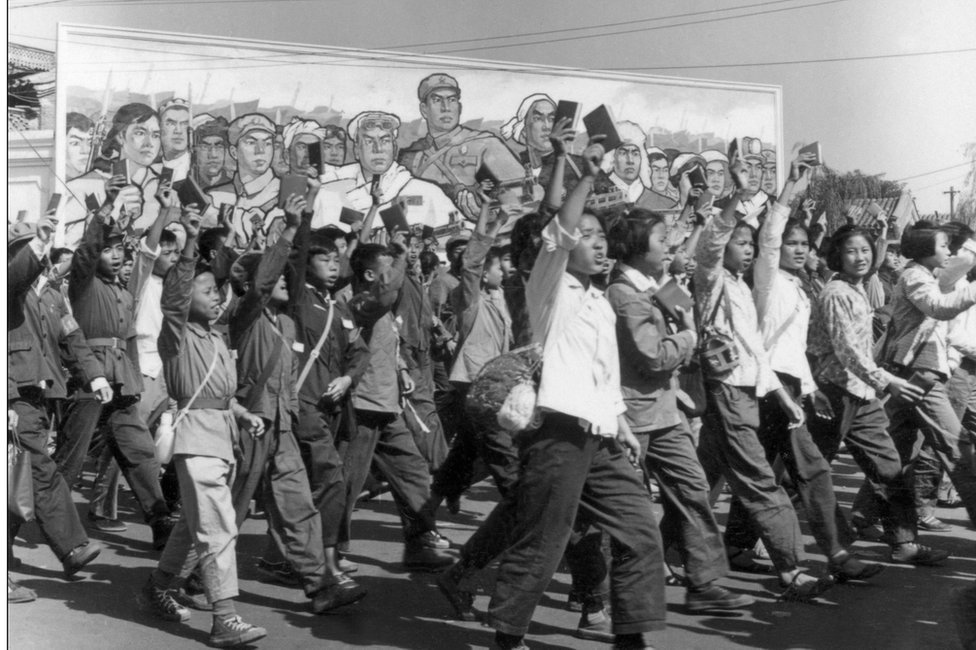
(952, 202)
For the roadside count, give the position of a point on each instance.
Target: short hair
(366, 258)
(629, 234)
(918, 240)
(209, 240)
(78, 121)
(126, 115)
(168, 237)
(429, 262)
(753, 232)
(957, 232)
(523, 234)
(841, 237)
(504, 249)
(323, 247)
(58, 253)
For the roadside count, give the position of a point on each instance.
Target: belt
(219, 403)
(107, 342)
(968, 364)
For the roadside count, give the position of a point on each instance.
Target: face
(740, 251)
(125, 273)
(375, 150)
(657, 248)
(414, 248)
(856, 257)
(769, 179)
(793, 253)
(342, 245)
(892, 260)
(442, 110)
(334, 151)
(78, 149)
(279, 295)
(110, 260)
(627, 162)
(383, 263)
(749, 174)
(659, 176)
(494, 275)
(168, 256)
(324, 267)
(715, 177)
(140, 142)
(508, 268)
(538, 126)
(205, 300)
(176, 127)
(298, 152)
(210, 155)
(813, 261)
(253, 153)
(590, 255)
(941, 256)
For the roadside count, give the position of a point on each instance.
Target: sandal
(741, 562)
(806, 592)
(852, 568)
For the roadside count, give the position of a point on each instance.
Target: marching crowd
(575, 354)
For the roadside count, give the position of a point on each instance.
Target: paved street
(904, 608)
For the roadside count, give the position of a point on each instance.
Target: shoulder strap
(196, 393)
(314, 354)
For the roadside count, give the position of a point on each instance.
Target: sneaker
(232, 630)
(715, 597)
(933, 524)
(449, 584)
(847, 567)
(17, 593)
(418, 556)
(106, 525)
(433, 539)
(345, 591)
(282, 573)
(595, 626)
(575, 602)
(80, 556)
(914, 553)
(161, 603)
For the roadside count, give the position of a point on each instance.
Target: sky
(904, 116)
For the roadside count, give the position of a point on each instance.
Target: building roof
(900, 208)
(22, 58)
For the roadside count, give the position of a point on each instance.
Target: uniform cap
(713, 155)
(248, 124)
(656, 153)
(371, 119)
(436, 82)
(206, 126)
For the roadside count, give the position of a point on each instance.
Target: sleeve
(367, 307)
(922, 290)
(78, 358)
(962, 333)
(546, 276)
(84, 262)
(176, 298)
(710, 253)
(639, 337)
(355, 358)
(838, 318)
(270, 268)
(145, 259)
(22, 270)
(298, 268)
(472, 268)
(767, 264)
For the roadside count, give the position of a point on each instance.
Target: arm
(922, 290)
(367, 307)
(641, 342)
(767, 264)
(838, 318)
(709, 255)
(85, 260)
(560, 137)
(22, 270)
(298, 269)
(178, 293)
(468, 293)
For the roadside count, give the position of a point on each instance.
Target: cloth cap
(437, 81)
(173, 102)
(656, 153)
(713, 155)
(368, 119)
(298, 126)
(684, 162)
(247, 124)
(463, 237)
(207, 126)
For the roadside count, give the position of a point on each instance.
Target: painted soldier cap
(209, 126)
(298, 126)
(437, 81)
(373, 119)
(174, 102)
(248, 124)
(656, 153)
(714, 155)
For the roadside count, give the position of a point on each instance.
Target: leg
(324, 468)
(357, 454)
(79, 426)
(104, 502)
(133, 448)
(401, 463)
(431, 442)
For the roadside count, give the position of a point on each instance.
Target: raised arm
(178, 293)
(561, 137)
(923, 292)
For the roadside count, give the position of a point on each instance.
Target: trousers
(421, 414)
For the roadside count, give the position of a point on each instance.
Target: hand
(257, 222)
(252, 423)
(684, 187)
(407, 383)
(792, 409)
(356, 226)
(801, 165)
(398, 243)
(12, 420)
(593, 155)
(629, 444)
(129, 199)
(451, 346)
(821, 406)
(562, 136)
(167, 197)
(376, 192)
(809, 205)
(902, 389)
(114, 185)
(338, 387)
(105, 394)
(687, 319)
(191, 223)
(468, 202)
(46, 226)
(313, 184)
(295, 205)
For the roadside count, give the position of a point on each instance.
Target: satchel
(20, 481)
(506, 389)
(718, 354)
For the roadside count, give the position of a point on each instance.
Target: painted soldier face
(78, 149)
(298, 152)
(441, 110)
(334, 151)
(749, 174)
(715, 177)
(538, 126)
(253, 153)
(375, 150)
(211, 153)
(627, 162)
(659, 176)
(175, 134)
(140, 142)
(769, 179)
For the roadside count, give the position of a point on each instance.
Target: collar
(633, 189)
(443, 140)
(572, 283)
(253, 186)
(638, 279)
(199, 330)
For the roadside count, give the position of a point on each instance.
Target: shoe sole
(939, 562)
(350, 600)
(869, 572)
(173, 618)
(719, 605)
(83, 562)
(593, 635)
(238, 640)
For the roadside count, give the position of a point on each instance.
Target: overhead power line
(895, 55)
(934, 171)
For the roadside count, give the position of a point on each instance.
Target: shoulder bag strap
(314, 354)
(196, 393)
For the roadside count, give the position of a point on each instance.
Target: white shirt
(577, 329)
(180, 166)
(962, 334)
(149, 317)
(782, 305)
(632, 190)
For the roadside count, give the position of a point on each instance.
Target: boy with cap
(202, 378)
(35, 332)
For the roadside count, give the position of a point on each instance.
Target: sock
(224, 608)
(507, 641)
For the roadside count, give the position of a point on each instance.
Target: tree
(966, 208)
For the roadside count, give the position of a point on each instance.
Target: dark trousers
(385, 438)
(317, 445)
(730, 447)
(430, 442)
(568, 472)
(130, 442)
(450, 409)
(53, 507)
(863, 428)
(273, 464)
(688, 523)
(475, 440)
(808, 470)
